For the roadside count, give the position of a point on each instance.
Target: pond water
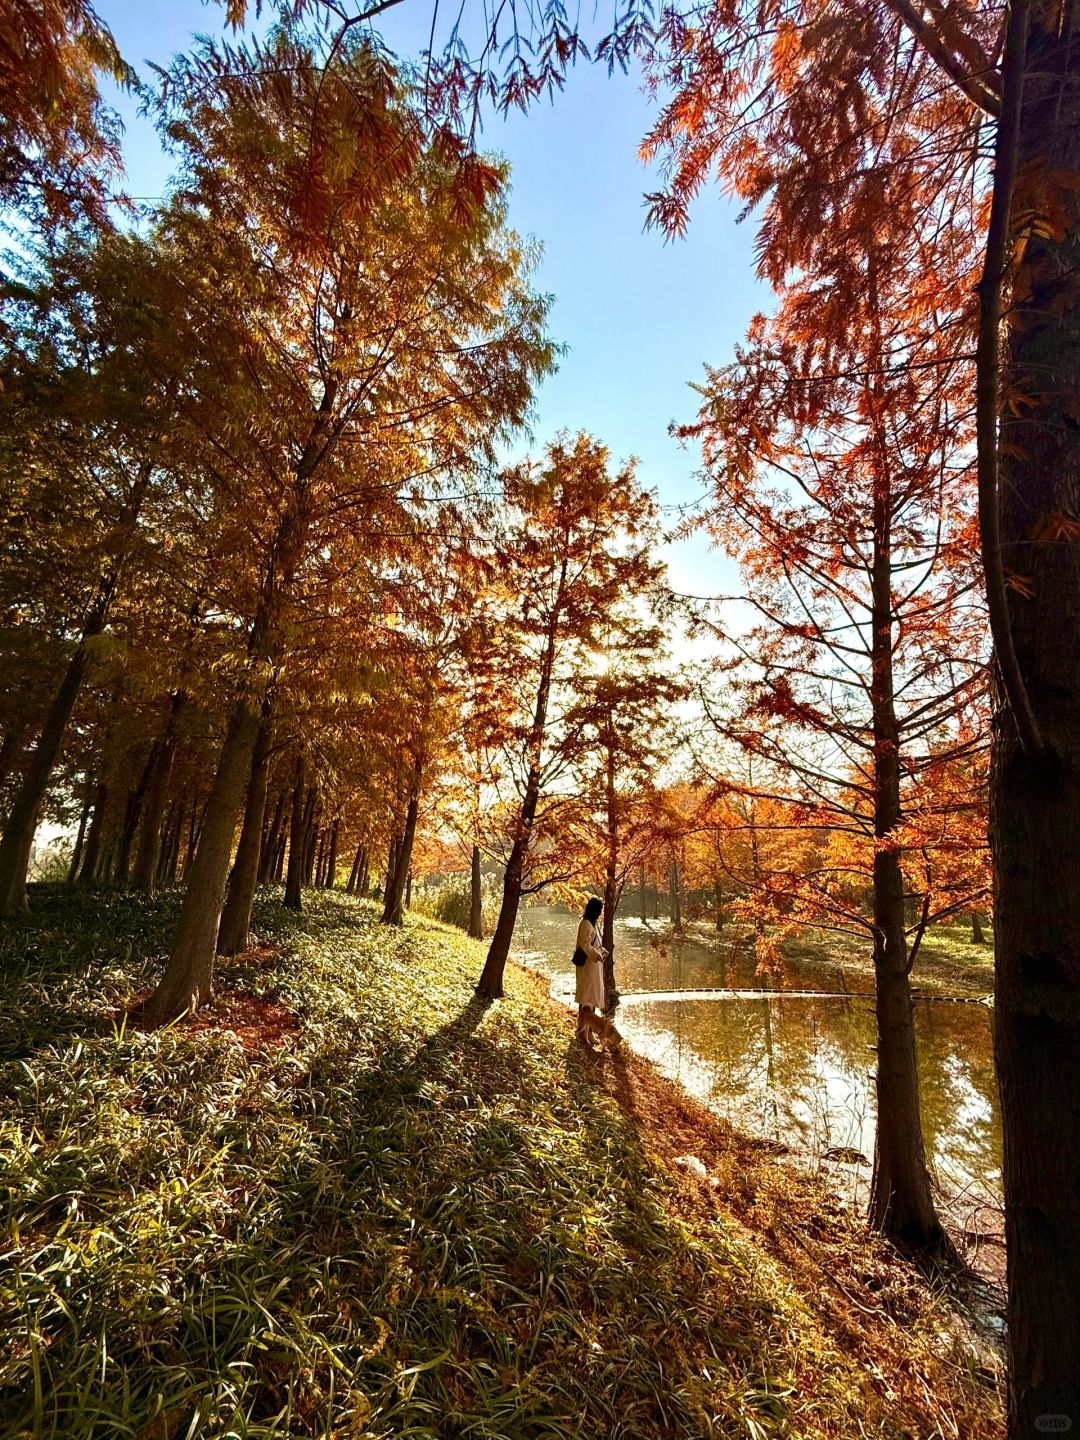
(792, 1063)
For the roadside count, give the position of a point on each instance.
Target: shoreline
(848, 1173)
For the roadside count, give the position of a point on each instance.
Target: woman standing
(589, 988)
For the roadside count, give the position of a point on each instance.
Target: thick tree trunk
(901, 1202)
(1035, 796)
(188, 978)
(295, 873)
(978, 935)
(234, 932)
(362, 882)
(408, 891)
(476, 897)
(144, 875)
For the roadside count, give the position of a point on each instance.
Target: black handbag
(579, 957)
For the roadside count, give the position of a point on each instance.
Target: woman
(589, 988)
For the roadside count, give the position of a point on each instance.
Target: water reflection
(796, 1065)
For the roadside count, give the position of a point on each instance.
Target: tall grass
(415, 1217)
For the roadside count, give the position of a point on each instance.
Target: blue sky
(640, 316)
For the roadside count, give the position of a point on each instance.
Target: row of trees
(914, 169)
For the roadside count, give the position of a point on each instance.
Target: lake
(792, 1060)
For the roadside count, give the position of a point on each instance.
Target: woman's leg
(585, 1025)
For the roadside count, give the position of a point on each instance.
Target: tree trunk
(268, 852)
(295, 873)
(718, 904)
(330, 878)
(307, 871)
(144, 875)
(394, 906)
(234, 933)
(611, 905)
(92, 853)
(353, 887)
(978, 934)
(1035, 795)
(18, 836)
(676, 899)
(362, 882)
(391, 864)
(408, 891)
(76, 854)
(641, 896)
(170, 860)
(188, 979)
(476, 897)
(132, 814)
(490, 985)
(194, 826)
(611, 895)
(901, 1203)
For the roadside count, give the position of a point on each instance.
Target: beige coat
(589, 987)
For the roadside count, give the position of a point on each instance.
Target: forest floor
(351, 1201)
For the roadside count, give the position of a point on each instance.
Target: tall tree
(780, 108)
(576, 548)
(363, 288)
(624, 712)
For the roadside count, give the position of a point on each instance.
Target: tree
(624, 715)
(58, 143)
(845, 497)
(84, 446)
(797, 154)
(576, 548)
(360, 289)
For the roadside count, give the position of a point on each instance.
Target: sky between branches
(640, 316)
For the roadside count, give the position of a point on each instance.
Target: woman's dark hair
(593, 908)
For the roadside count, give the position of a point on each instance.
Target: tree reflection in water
(796, 1069)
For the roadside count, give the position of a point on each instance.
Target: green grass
(415, 1217)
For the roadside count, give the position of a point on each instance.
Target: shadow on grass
(73, 962)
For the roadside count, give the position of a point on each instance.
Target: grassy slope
(365, 1206)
